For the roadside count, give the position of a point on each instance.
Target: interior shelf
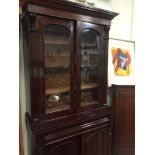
(54, 54)
(57, 108)
(53, 68)
(88, 86)
(83, 104)
(89, 45)
(58, 90)
(89, 66)
(56, 42)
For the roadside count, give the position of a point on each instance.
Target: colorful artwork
(121, 61)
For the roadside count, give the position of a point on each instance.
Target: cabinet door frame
(102, 84)
(90, 134)
(42, 22)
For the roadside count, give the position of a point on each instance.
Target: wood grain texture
(67, 15)
(70, 146)
(75, 130)
(125, 120)
(20, 7)
(95, 142)
(64, 5)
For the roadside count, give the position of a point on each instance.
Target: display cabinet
(66, 49)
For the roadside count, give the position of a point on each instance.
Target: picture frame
(113, 78)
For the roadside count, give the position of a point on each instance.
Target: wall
(123, 25)
(122, 35)
(22, 96)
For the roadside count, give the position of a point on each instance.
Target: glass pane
(57, 68)
(89, 67)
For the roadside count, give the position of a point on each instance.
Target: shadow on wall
(22, 92)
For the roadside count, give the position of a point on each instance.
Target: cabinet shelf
(88, 86)
(89, 66)
(56, 42)
(54, 54)
(57, 108)
(56, 68)
(83, 104)
(89, 45)
(58, 90)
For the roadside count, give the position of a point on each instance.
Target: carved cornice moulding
(75, 7)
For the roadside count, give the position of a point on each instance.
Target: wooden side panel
(125, 120)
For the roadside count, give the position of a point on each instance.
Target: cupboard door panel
(57, 65)
(95, 142)
(125, 120)
(68, 147)
(57, 68)
(91, 66)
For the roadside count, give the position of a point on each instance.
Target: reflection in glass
(57, 64)
(89, 67)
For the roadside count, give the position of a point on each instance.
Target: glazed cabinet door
(56, 44)
(91, 66)
(96, 142)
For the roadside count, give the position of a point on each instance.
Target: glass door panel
(57, 68)
(89, 67)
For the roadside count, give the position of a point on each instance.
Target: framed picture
(121, 62)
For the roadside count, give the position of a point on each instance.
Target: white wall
(22, 96)
(106, 4)
(123, 25)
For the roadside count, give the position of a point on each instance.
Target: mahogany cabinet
(65, 50)
(124, 98)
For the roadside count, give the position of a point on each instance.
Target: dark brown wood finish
(101, 78)
(42, 23)
(96, 142)
(21, 3)
(64, 5)
(67, 15)
(70, 146)
(124, 98)
(77, 130)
